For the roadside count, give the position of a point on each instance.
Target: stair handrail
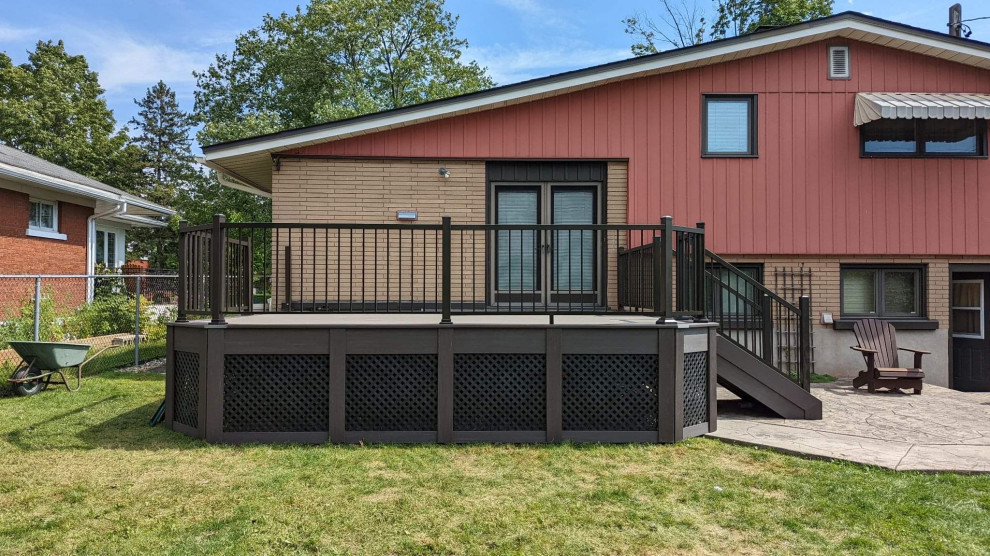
(748, 279)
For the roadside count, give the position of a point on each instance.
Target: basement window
(888, 292)
(728, 126)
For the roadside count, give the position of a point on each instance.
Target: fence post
(663, 279)
(766, 308)
(805, 354)
(37, 308)
(183, 268)
(137, 321)
(217, 268)
(445, 288)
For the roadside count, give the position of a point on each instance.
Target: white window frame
(119, 253)
(953, 307)
(848, 74)
(47, 233)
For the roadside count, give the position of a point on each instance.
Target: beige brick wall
(616, 204)
(316, 190)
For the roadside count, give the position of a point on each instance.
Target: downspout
(117, 210)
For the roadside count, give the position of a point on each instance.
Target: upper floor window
(728, 125)
(44, 216)
(923, 138)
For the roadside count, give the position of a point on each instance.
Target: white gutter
(79, 189)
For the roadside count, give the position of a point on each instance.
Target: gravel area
(149, 366)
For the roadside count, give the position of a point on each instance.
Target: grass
(84, 473)
(815, 377)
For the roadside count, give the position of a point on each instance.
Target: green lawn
(84, 473)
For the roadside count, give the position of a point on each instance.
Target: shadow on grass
(130, 431)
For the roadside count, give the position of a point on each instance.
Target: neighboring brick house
(56, 221)
(844, 158)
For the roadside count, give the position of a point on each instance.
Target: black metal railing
(444, 268)
(758, 320)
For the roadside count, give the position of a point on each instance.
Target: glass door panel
(573, 250)
(518, 266)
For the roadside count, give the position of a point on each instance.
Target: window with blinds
(884, 292)
(728, 125)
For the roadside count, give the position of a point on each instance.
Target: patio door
(970, 325)
(546, 267)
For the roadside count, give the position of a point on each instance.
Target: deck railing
(445, 268)
(758, 320)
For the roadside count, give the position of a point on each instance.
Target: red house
(843, 158)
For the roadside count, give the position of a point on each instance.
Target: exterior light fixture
(444, 173)
(406, 215)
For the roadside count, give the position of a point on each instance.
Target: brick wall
(22, 254)
(371, 191)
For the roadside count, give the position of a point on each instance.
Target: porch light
(444, 173)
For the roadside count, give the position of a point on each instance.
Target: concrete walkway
(940, 430)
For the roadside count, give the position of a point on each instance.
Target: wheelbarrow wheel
(30, 387)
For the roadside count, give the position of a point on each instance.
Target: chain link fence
(128, 313)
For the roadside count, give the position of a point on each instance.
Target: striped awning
(965, 106)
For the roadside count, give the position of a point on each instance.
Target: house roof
(248, 160)
(19, 165)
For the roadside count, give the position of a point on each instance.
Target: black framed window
(923, 138)
(738, 295)
(728, 125)
(891, 292)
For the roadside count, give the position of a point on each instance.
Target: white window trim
(47, 233)
(848, 74)
(982, 333)
(120, 248)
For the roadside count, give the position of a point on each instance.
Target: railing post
(218, 276)
(804, 368)
(700, 295)
(183, 269)
(663, 279)
(445, 287)
(288, 278)
(766, 310)
(37, 308)
(137, 321)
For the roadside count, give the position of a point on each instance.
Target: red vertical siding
(808, 192)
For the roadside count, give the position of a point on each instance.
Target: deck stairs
(764, 344)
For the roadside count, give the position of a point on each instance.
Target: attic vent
(838, 62)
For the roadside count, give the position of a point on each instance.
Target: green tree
(332, 60)
(52, 106)
(738, 17)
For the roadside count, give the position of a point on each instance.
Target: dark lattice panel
(391, 393)
(276, 393)
(695, 388)
(500, 392)
(609, 392)
(185, 394)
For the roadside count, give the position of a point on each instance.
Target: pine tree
(168, 168)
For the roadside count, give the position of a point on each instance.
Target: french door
(546, 267)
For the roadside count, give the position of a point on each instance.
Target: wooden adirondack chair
(878, 344)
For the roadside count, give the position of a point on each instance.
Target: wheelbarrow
(41, 361)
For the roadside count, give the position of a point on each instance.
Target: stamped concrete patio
(940, 430)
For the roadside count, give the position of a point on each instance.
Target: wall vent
(838, 62)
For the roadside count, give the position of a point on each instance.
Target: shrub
(19, 325)
(107, 314)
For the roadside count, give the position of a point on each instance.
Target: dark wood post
(766, 310)
(218, 276)
(183, 271)
(670, 385)
(804, 305)
(288, 278)
(445, 292)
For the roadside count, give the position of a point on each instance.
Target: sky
(134, 43)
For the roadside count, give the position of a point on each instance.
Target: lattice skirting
(185, 393)
(391, 393)
(695, 388)
(500, 392)
(276, 393)
(609, 392)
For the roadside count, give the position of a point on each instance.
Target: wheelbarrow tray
(48, 356)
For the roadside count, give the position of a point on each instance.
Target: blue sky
(133, 44)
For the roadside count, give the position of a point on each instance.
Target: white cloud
(9, 33)
(124, 61)
(536, 14)
(511, 64)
